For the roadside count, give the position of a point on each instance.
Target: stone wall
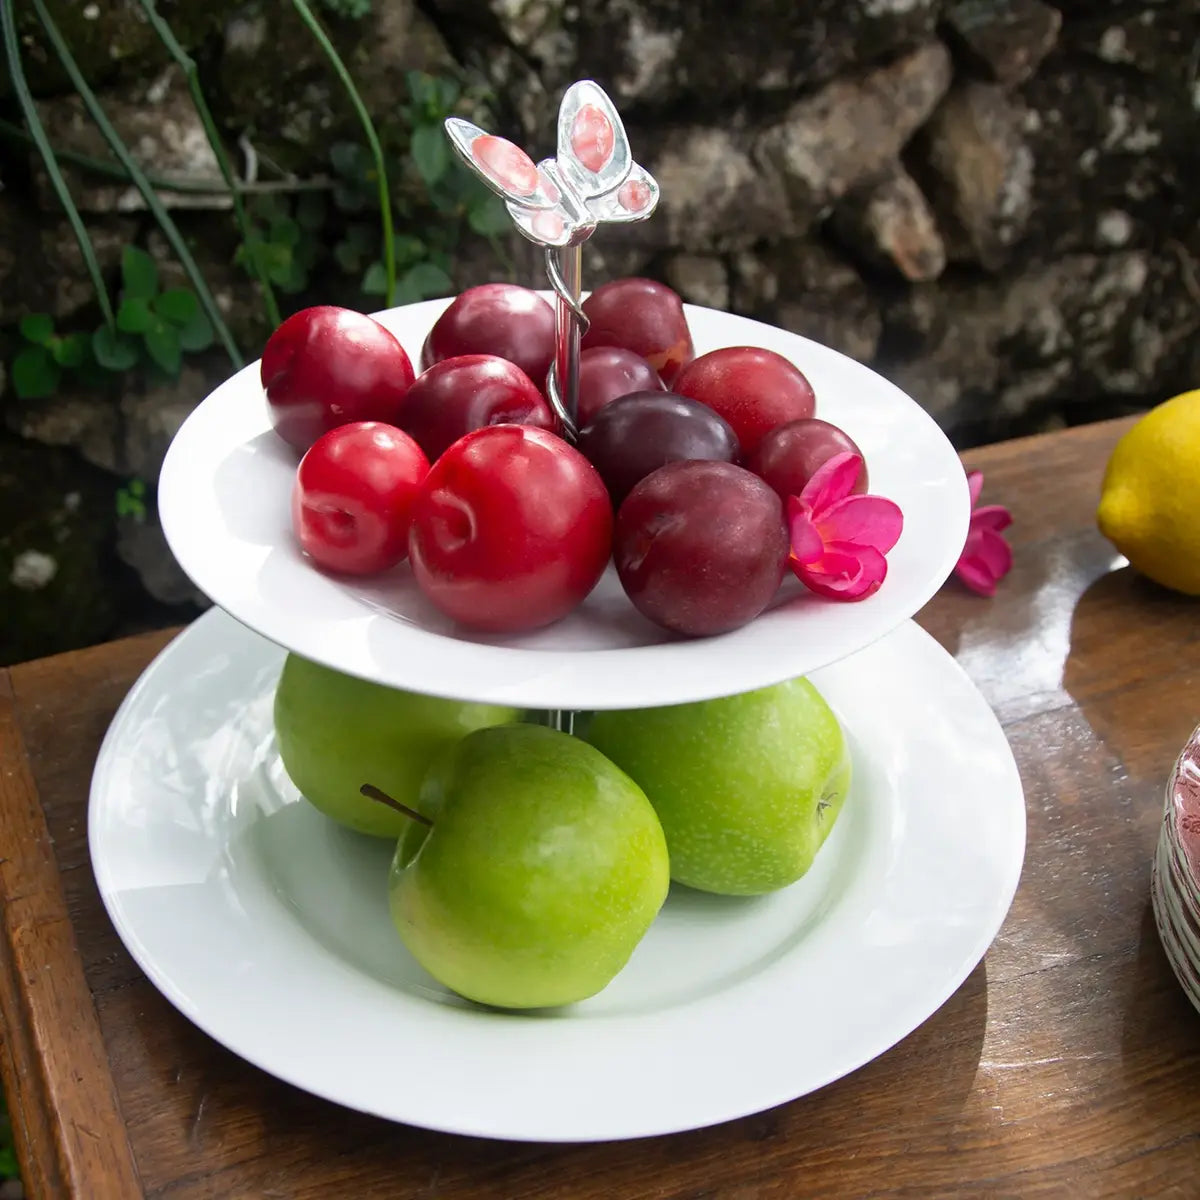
(994, 202)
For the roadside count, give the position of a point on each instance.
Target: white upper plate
(224, 501)
(268, 926)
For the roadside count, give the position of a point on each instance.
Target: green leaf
(139, 274)
(346, 159)
(294, 279)
(197, 334)
(348, 199)
(37, 328)
(70, 351)
(134, 315)
(348, 257)
(421, 88)
(425, 280)
(374, 282)
(408, 250)
(278, 260)
(177, 305)
(430, 152)
(363, 237)
(114, 351)
(311, 211)
(164, 346)
(285, 231)
(446, 92)
(34, 373)
(490, 218)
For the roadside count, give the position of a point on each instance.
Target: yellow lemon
(1150, 497)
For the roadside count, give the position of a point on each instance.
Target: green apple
(336, 733)
(542, 869)
(747, 787)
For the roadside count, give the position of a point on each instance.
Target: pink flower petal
(975, 486)
(845, 572)
(832, 481)
(991, 516)
(805, 538)
(985, 561)
(862, 521)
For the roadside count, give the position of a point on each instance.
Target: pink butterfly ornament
(987, 557)
(839, 541)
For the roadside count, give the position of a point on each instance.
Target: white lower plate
(268, 927)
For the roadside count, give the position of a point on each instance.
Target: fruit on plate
(336, 732)
(747, 787)
(353, 494)
(644, 316)
(606, 372)
(700, 547)
(636, 434)
(542, 869)
(754, 389)
(327, 366)
(495, 318)
(1150, 495)
(511, 529)
(790, 455)
(468, 392)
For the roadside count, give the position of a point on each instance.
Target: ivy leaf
(37, 328)
(177, 305)
(198, 333)
(35, 374)
(164, 346)
(70, 351)
(489, 217)
(311, 211)
(423, 281)
(114, 351)
(139, 274)
(374, 282)
(134, 315)
(430, 152)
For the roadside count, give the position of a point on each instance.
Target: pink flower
(839, 540)
(986, 557)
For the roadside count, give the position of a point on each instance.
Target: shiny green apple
(336, 732)
(747, 787)
(542, 869)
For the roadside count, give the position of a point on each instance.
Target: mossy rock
(59, 584)
(108, 39)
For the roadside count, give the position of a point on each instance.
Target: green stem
(185, 60)
(139, 181)
(38, 134)
(198, 187)
(385, 200)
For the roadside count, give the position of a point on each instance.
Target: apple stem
(373, 793)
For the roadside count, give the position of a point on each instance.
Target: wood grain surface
(1065, 1065)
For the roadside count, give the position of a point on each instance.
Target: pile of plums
(679, 472)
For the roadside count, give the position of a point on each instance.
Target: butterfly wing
(634, 200)
(593, 149)
(501, 164)
(561, 225)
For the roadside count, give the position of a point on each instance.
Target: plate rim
(543, 681)
(869, 1049)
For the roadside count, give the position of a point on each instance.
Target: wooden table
(1068, 1063)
